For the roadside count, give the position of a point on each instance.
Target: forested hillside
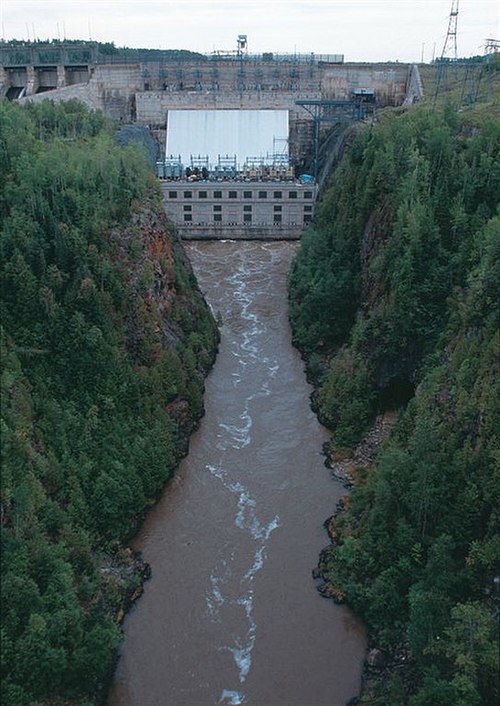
(105, 344)
(394, 299)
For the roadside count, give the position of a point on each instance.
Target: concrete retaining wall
(152, 107)
(389, 81)
(240, 233)
(81, 92)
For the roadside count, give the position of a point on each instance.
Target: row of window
(234, 194)
(247, 218)
(247, 208)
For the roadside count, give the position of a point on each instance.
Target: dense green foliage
(107, 51)
(395, 303)
(393, 240)
(105, 342)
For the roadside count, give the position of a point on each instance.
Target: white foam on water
(245, 519)
(247, 345)
(245, 298)
(247, 603)
(265, 389)
(246, 504)
(222, 445)
(216, 592)
(257, 565)
(231, 698)
(242, 653)
(273, 370)
(240, 435)
(214, 599)
(260, 531)
(236, 433)
(216, 471)
(242, 659)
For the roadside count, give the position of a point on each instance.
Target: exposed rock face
(344, 469)
(153, 256)
(123, 574)
(376, 658)
(138, 134)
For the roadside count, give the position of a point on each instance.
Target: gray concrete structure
(146, 91)
(232, 209)
(30, 69)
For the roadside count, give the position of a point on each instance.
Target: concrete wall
(251, 207)
(240, 232)
(151, 108)
(232, 74)
(32, 79)
(145, 93)
(389, 81)
(16, 77)
(80, 92)
(116, 85)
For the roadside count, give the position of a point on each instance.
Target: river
(231, 614)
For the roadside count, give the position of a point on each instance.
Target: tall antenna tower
(450, 43)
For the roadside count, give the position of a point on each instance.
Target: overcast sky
(370, 30)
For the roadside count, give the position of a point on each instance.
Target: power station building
(238, 209)
(232, 176)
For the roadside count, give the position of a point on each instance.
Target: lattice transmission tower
(449, 53)
(450, 43)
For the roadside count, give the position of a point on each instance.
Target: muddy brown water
(231, 614)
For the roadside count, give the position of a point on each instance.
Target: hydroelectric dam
(231, 615)
(237, 135)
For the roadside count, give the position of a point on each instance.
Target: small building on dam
(234, 131)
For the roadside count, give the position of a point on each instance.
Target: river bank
(380, 663)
